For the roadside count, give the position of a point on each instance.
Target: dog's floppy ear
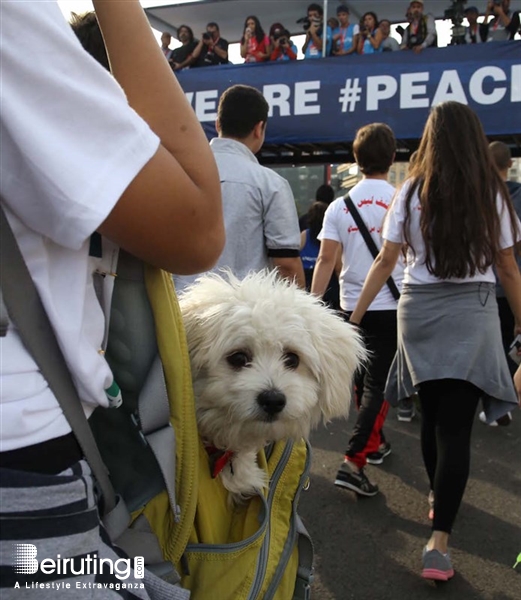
(341, 351)
(200, 304)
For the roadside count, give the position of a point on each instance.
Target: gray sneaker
(436, 565)
(406, 410)
(357, 482)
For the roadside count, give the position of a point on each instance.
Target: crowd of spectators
(368, 36)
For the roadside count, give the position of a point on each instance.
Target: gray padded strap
(305, 567)
(26, 310)
(154, 415)
(140, 540)
(117, 520)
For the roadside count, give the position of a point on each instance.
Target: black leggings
(448, 409)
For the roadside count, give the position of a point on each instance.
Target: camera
(280, 34)
(207, 36)
(456, 13)
(307, 22)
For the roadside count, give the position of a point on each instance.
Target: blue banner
(327, 100)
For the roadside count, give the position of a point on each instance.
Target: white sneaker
(503, 421)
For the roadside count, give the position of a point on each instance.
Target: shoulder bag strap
(26, 310)
(368, 239)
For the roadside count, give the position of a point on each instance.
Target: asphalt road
(370, 548)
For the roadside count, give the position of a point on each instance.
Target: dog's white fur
(265, 318)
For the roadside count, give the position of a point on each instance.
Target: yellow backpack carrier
(181, 520)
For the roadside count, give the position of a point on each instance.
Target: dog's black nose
(271, 401)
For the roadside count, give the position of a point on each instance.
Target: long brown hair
(457, 185)
(315, 219)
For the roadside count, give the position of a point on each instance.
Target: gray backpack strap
(305, 563)
(154, 414)
(26, 310)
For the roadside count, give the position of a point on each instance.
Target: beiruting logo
(26, 563)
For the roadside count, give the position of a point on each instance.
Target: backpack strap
(26, 310)
(368, 239)
(305, 572)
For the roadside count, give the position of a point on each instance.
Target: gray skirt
(451, 331)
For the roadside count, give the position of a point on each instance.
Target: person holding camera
(255, 44)
(421, 31)
(282, 46)
(212, 49)
(345, 38)
(314, 27)
(504, 25)
(474, 32)
(370, 38)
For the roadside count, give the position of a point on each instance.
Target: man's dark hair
(325, 193)
(316, 7)
(501, 155)
(87, 30)
(241, 107)
(213, 24)
(188, 29)
(374, 148)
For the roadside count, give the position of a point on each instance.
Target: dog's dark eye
(291, 360)
(239, 360)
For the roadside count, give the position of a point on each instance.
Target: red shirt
(255, 48)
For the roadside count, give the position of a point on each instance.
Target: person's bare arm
(517, 383)
(306, 42)
(376, 40)
(326, 263)
(379, 273)
(171, 213)
(290, 268)
(197, 50)
(221, 52)
(510, 278)
(313, 30)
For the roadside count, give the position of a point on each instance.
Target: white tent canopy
(231, 14)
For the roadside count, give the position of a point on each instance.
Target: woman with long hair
(255, 44)
(370, 37)
(457, 222)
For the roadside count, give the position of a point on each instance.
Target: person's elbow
(201, 256)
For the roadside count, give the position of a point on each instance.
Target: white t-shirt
(372, 197)
(70, 147)
(416, 272)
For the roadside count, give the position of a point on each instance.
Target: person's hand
(517, 383)
(418, 49)
(175, 65)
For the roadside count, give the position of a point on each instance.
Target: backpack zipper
(262, 561)
(292, 534)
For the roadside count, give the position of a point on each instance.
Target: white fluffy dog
(268, 362)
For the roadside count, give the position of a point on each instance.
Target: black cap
(342, 8)
(471, 9)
